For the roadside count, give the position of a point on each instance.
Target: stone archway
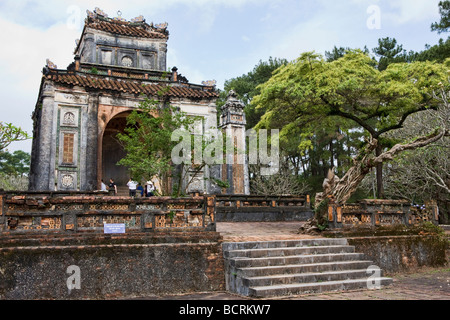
(113, 151)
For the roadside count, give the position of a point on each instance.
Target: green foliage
(444, 24)
(147, 139)
(338, 53)
(389, 52)
(15, 164)
(220, 183)
(310, 90)
(10, 133)
(439, 52)
(171, 216)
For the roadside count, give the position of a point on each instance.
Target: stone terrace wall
(402, 253)
(119, 266)
(379, 213)
(244, 208)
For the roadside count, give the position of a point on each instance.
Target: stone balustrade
(89, 212)
(380, 213)
(248, 208)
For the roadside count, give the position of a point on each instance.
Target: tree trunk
(365, 161)
(379, 169)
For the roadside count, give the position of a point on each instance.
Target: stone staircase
(293, 267)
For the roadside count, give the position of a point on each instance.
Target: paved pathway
(260, 231)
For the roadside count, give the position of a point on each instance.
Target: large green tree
(310, 90)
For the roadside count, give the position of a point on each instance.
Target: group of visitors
(145, 191)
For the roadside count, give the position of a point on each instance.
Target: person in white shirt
(149, 189)
(103, 186)
(132, 187)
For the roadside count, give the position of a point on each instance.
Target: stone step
(231, 246)
(290, 251)
(294, 260)
(302, 268)
(289, 267)
(305, 278)
(317, 287)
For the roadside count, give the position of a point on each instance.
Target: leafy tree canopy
(311, 89)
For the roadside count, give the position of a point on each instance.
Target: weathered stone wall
(110, 267)
(402, 253)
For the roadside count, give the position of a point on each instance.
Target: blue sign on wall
(114, 228)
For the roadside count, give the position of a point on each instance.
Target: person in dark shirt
(140, 189)
(112, 187)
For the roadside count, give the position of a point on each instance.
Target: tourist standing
(140, 189)
(112, 187)
(132, 187)
(103, 186)
(149, 189)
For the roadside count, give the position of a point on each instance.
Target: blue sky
(209, 39)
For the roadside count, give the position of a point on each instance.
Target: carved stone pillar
(233, 122)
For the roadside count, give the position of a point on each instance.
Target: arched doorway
(113, 151)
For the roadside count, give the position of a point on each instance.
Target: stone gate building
(80, 109)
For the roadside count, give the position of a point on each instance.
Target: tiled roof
(126, 28)
(129, 86)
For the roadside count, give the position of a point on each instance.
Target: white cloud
(405, 11)
(309, 36)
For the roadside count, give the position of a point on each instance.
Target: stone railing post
(210, 210)
(434, 209)
(334, 214)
